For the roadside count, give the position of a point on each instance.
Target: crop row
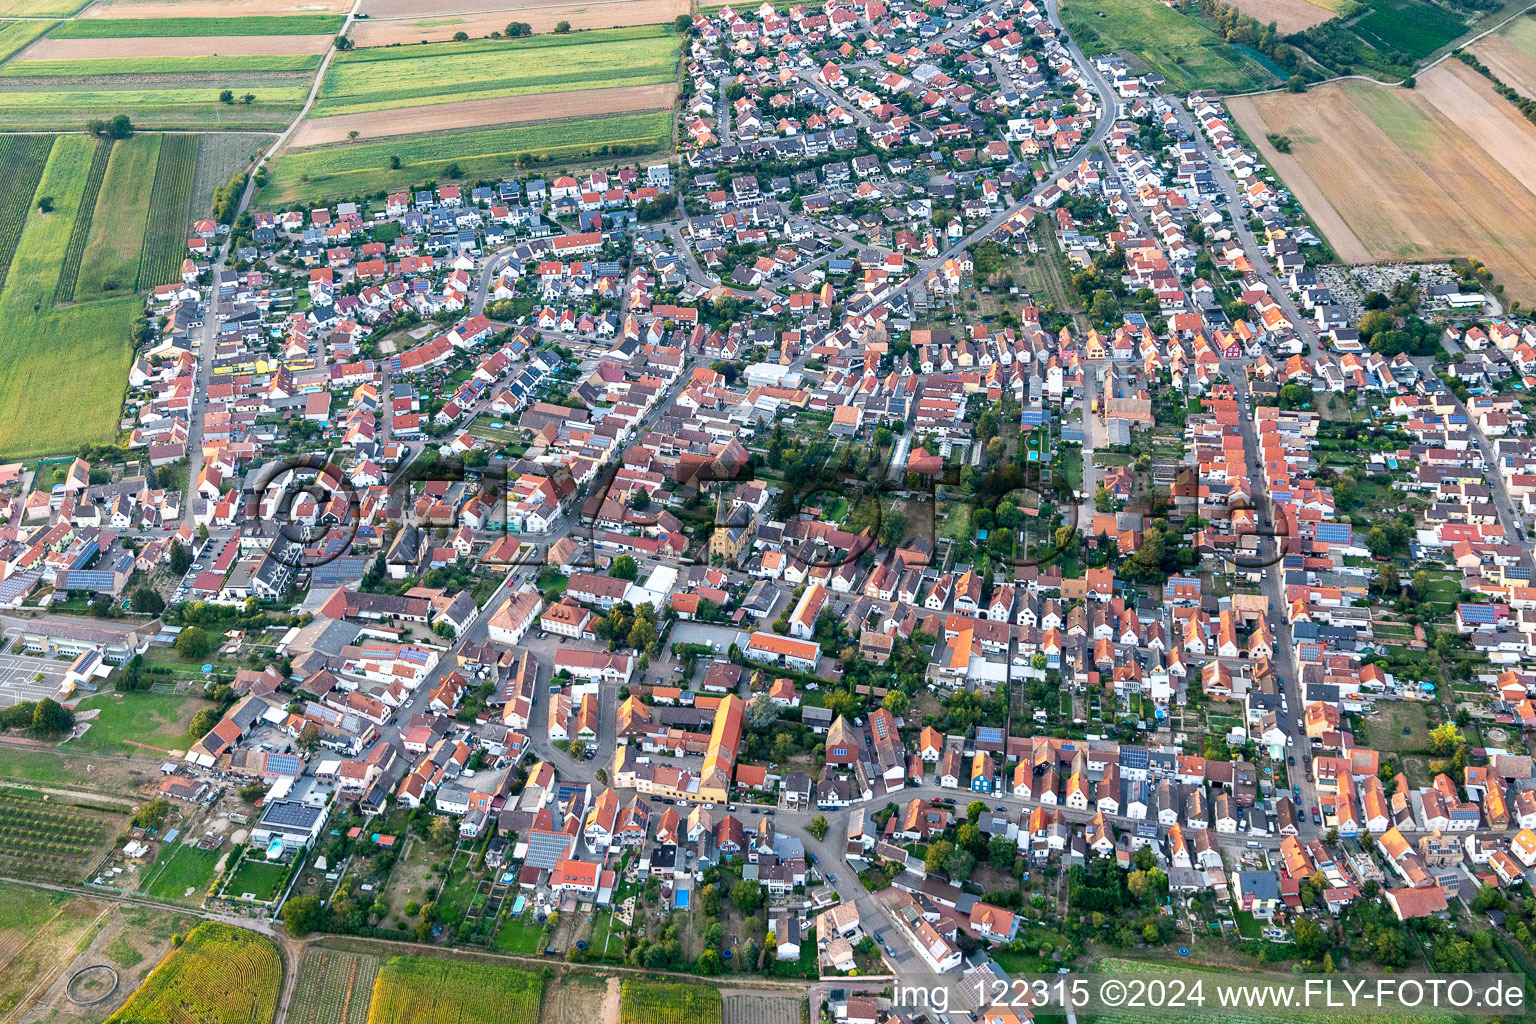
(21, 167)
(334, 988)
(165, 236)
(64, 291)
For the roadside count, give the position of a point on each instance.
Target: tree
(146, 600)
(204, 720)
(640, 500)
(180, 558)
(1296, 84)
(353, 134)
(344, 44)
(959, 864)
(624, 568)
(1310, 940)
(248, 98)
(747, 895)
(682, 23)
(50, 718)
(153, 814)
(517, 30)
(939, 849)
(642, 634)
(309, 738)
(302, 915)
(974, 810)
(896, 702)
(227, 96)
(428, 920)
(708, 962)
(194, 642)
(762, 713)
(1001, 852)
(394, 163)
(1444, 738)
(562, 27)
(818, 827)
(120, 127)
(442, 832)
(45, 204)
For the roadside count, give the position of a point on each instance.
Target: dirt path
(173, 46)
(323, 131)
(1348, 247)
(612, 1000)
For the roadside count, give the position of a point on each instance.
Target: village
(946, 520)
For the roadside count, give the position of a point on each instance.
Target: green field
(57, 396)
(519, 935)
(426, 990)
(1408, 26)
(341, 171)
(85, 213)
(39, 8)
(125, 28)
(108, 67)
(384, 78)
(656, 1002)
(1175, 46)
(153, 101)
(180, 867)
(153, 719)
(111, 258)
(165, 229)
(16, 34)
(219, 975)
(22, 158)
(256, 875)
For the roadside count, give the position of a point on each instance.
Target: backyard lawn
(126, 723)
(257, 876)
(181, 867)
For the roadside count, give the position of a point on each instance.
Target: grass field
(1408, 26)
(308, 175)
(58, 396)
(38, 933)
(426, 990)
(655, 1002)
(1177, 47)
(130, 66)
(85, 213)
(153, 101)
(159, 721)
(14, 35)
(122, 28)
(165, 227)
(1463, 154)
(111, 256)
(257, 876)
(334, 988)
(387, 78)
(519, 935)
(180, 868)
(219, 975)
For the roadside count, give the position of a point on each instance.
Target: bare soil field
(413, 26)
(211, 8)
(1510, 53)
(1409, 172)
(1288, 15)
(173, 46)
(324, 131)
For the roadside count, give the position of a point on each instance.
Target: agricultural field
(395, 23)
(1510, 53)
(126, 723)
(219, 975)
(39, 8)
(64, 291)
(48, 837)
(1288, 15)
(1412, 27)
(16, 35)
(744, 1008)
(42, 417)
(119, 28)
(654, 1002)
(168, 100)
(334, 988)
(1358, 148)
(111, 256)
(22, 158)
(426, 990)
(39, 932)
(219, 156)
(389, 78)
(1172, 44)
(170, 208)
(305, 176)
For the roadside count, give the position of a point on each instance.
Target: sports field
(1510, 53)
(58, 396)
(389, 78)
(1172, 44)
(304, 176)
(1446, 169)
